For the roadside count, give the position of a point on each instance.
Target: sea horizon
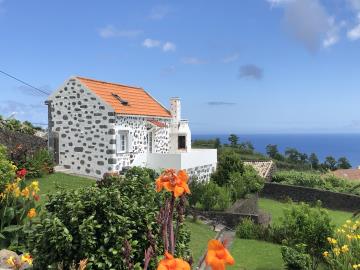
(322, 144)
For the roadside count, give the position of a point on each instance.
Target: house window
(182, 142)
(122, 142)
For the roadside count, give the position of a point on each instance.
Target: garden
(138, 221)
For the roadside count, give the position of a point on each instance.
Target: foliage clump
(102, 224)
(316, 180)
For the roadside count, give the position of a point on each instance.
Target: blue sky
(250, 66)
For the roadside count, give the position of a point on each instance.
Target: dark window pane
(181, 142)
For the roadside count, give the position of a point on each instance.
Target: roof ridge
(99, 81)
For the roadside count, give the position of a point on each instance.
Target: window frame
(178, 146)
(122, 145)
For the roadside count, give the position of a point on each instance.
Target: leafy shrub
(295, 258)
(247, 229)
(101, 223)
(210, 195)
(315, 180)
(245, 183)
(109, 179)
(223, 199)
(307, 225)
(17, 205)
(344, 251)
(39, 164)
(229, 162)
(196, 188)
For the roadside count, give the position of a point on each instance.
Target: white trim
(122, 141)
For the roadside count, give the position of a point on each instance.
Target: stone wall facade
(201, 173)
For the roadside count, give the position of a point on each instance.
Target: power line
(13, 77)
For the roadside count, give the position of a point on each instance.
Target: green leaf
(12, 228)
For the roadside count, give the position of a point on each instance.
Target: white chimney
(175, 108)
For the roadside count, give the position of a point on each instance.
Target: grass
(256, 255)
(51, 183)
(275, 208)
(200, 235)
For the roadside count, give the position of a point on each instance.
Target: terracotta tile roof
(157, 123)
(351, 174)
(139, 102)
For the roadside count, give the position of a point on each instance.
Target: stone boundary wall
(329, 199)
(11, 139)
(230, 220)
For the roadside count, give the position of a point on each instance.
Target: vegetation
(344, 251)
(18, 126)
(101, 223)
(17, 205)
(230, 182)
(316, 180)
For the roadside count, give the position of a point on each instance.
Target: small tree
(272, 150)
(233, 139)
(343, 163)
(330, 163)
(228, 163)
(314, 161)
(217, 143)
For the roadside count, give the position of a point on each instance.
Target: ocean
(336, 145)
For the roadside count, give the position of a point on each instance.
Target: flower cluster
(15, 262)
(217, 255)
(345, 247)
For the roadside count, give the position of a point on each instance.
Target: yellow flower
(325, 254)
(17, 192)
(356, 266)
(349, 236)
(348, 221)
(31, 213)
(11, 261)
(332, 240)
(35, 186)
(25, 192)
(344, 248)
(26, 258)
(336, 251)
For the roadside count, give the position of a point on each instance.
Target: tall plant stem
(171, 225)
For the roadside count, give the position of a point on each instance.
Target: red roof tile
(139, 102)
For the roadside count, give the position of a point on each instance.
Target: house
(97, 127)
(265, 169)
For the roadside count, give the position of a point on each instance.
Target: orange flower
(169, 263)
(31, 213)
(218, 256)
(176, 183)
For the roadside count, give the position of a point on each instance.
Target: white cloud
(332, 35)
(151, 43)
(192, 61)
(169, 46)
(159, 12)
(278, 2)
(231, 58)
(111, 31)
(354, 33)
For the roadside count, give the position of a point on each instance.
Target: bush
(210, 195)
(101, 223)
(39, 164)
(229, 162)
(295, 258)
(344, 251)
(309, 226)
(196, 188)
(245, 183)
(247, 229)
(17, 205)
(315, 180)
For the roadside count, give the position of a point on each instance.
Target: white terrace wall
(85, 126)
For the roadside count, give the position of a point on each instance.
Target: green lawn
(51, 183)
(275, 208)
(256, 255)
(200, 235)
